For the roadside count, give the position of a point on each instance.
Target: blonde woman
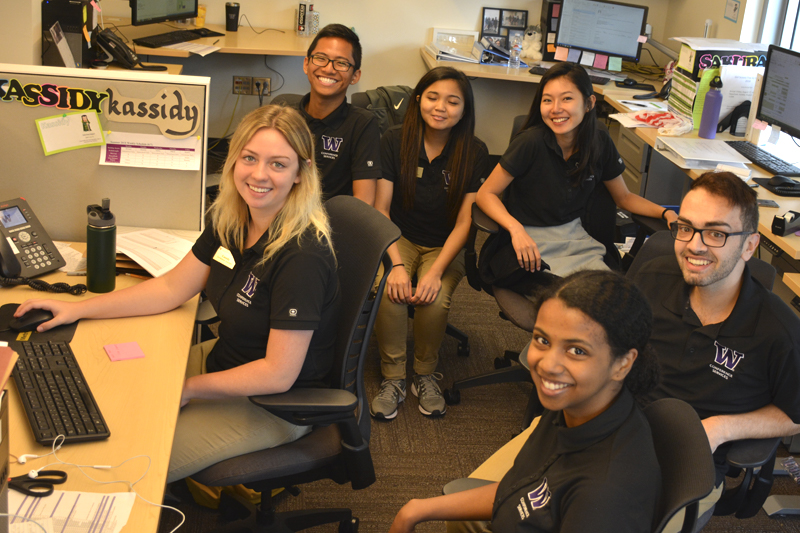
(268, 268)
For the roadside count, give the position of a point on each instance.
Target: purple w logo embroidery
(726, 356)
(331, 143)
(539, 496)
(446, 174)
(250, 286)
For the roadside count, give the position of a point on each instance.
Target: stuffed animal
(532, 43)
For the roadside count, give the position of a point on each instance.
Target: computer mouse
(31, 320)
(629, 82)
(782, 181)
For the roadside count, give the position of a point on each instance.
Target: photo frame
(514, 19)
(490, 21)
(460, 40)
(499, 40)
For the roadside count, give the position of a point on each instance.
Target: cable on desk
(39, 285)
(252, 28)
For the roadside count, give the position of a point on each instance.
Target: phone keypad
(37, 256)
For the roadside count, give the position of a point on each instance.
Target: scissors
(39, 486)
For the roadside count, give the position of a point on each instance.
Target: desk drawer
(632, 149)
(633, 179)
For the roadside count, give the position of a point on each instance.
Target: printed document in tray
(701, 154)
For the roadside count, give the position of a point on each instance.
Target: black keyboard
(764, 159)
(56, 397)
(176, 37)
(596, 80)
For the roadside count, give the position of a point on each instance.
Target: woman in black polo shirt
(268, 267)
(432, 167)
(550, 170)
(589, 464)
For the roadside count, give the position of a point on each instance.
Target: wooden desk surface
(139, 399)
(789, 244)
(244, 41)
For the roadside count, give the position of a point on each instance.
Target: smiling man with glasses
(347, 138)
(727, 345)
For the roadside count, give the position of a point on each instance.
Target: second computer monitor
(776, 105)
(608, 28)
(152, 11)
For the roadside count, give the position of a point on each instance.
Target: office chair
(338, 446)
(687, 468)
(756, 457)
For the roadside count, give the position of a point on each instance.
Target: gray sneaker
(392, 393)
(431, 401)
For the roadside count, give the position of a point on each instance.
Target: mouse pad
(764, 182)
(61, 333)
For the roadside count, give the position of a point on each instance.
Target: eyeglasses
(338, 64)
(712, 238)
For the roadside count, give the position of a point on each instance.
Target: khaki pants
(430, 321)
(210, 431)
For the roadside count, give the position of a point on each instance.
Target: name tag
(419, 172)
(225, 257)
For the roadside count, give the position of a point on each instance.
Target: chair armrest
(752, 453)
(482, 221)
(650, 224)
(465, 483)
(308, 401)
(206, 314)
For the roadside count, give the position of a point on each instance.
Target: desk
(244, 41)
(790, 244)
(139, 400)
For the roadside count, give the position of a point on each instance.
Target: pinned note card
(551, 38)
(615, 63)
(123, 351)
(551, 48)
(556, 10)
(587, 59)
(600, 61)
(574, 55)
(561, 53)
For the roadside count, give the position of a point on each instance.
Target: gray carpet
(415, 456)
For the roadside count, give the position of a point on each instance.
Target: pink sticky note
(600, 61)
(561, 53)
(642, 39)
(574, 55)
(123, 351)
(94, 5)
(759, 125)
(556, 9)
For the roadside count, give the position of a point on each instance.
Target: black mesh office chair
(338, 446)
(756, 457)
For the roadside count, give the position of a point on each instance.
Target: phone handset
(118, 51)
(9, 265)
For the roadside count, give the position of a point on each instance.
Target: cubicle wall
(58, 187)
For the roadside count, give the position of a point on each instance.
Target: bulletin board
(58, 187)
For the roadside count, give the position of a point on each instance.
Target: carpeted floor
(415, 456)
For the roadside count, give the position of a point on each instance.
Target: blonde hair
(303, 207)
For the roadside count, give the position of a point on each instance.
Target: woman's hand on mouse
(63, 312)
(428, 287)
(527, 252)
(398, 286)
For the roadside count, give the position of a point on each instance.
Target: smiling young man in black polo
(347, 138)
(727, 345)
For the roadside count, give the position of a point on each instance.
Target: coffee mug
(231, 16)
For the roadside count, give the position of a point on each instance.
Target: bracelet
(398, 265)
(664, 213)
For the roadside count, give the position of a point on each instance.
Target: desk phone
(25, 248)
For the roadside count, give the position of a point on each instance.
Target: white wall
(391, 33)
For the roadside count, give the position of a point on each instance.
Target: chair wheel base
(452, 397)
(349, 526)
(500, 362)
(463, 350)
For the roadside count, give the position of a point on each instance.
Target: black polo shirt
(297, 289)
(600, 476)
(347, 144)
(750, 360)
(541, 194)
(427, 223)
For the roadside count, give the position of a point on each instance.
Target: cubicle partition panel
(154, 133)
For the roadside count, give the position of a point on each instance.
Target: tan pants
(209, 431)
(430, 321)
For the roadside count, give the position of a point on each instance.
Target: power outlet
(261, 85)
(242, 85)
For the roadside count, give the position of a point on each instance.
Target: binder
(698, 153)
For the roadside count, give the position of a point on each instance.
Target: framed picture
(514, 18)
(514, 34)
(491, 21)
(499, 40)
(461, 40)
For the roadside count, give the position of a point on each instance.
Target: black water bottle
(101, 248)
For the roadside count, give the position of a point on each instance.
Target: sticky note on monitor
(642, 39)
(561, 53)
(615, 63)
(574, 55)
(600, 61)
(587, 59)
(123, 351)
(551, 48)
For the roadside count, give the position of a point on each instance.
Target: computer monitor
(608, 28)
(776, 106)
(153, 11)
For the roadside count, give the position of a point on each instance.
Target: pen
(137, 276)
(215, 42)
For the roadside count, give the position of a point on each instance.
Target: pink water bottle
(711, 107)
